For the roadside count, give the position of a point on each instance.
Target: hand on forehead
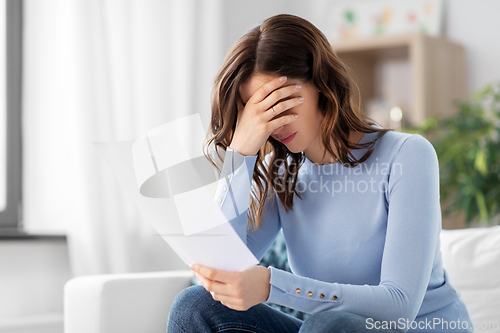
(248, 88)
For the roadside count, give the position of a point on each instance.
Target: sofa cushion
(471, 258)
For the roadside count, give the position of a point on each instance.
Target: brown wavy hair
(287, 45)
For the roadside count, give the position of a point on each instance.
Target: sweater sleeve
(233, 195)
(414, 221)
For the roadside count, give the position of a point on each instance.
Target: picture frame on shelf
(385, 17)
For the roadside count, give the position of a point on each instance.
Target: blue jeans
(195, 311)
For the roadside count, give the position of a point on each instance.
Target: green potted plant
(468, 148)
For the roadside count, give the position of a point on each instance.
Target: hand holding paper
(236, 290)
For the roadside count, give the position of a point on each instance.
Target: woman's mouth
(287, 139)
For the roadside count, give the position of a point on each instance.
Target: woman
(363, 234)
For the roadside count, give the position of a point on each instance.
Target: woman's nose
(276, 131)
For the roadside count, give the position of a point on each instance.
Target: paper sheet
(171, 181)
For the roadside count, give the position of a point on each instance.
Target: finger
(227, 300)
(282, 121)
(278, 95)
(213, 286)
(283, 106)
(234, 306)
(266, 89)
(212, 273)
(231, 306)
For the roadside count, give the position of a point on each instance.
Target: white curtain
(107, 70)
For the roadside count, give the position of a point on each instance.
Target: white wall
(474, 24)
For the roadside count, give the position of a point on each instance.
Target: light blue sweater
(363, 240)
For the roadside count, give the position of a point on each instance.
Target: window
(3, 116)
(10, 113)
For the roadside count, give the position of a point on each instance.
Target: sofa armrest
(110, 303)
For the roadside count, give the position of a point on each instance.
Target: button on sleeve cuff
(302, 293)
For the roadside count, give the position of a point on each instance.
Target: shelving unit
(436, 71)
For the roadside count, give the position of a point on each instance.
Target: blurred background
(84, 71)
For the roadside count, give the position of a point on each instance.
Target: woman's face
(306, 126)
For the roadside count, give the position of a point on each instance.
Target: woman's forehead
(249, 87)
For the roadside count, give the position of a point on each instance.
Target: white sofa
(140, 302)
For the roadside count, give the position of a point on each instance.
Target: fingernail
(296, 115)
(283, 78)
(298, 86)
(301, 98)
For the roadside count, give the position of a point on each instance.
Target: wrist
(240, 151)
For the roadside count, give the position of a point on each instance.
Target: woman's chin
(294, 149)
